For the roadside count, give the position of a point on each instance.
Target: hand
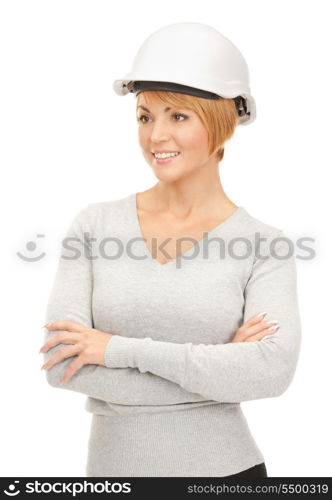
(255, 329)
(87, 344)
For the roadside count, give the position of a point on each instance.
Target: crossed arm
(70, 298)
(142, 371)
(233, 372)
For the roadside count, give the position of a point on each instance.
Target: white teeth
(165, 155)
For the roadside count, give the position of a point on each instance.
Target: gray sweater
(168, 400)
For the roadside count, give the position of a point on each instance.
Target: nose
(159, 132)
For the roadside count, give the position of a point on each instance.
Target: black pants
(256, 471)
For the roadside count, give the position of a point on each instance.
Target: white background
(68, 140)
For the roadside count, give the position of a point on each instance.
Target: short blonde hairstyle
(219, 116)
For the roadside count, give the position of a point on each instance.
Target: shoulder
(272, 246)
(255, 225)
(267, 240)
(89, 215)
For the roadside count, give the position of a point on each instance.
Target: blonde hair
(219, 116)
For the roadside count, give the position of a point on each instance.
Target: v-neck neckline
(170, 263)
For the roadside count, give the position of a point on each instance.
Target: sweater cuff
(122, 352)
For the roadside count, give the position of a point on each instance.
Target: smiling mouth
(167, 157)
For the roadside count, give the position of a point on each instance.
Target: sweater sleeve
(71, 299)
(232, 372)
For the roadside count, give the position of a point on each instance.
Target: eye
(143, 117)
(180, 114)
(140, 118)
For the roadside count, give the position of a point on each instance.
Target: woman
(167, 339)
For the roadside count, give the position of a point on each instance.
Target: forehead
(154, 103)
(144, 108)
(151, 102)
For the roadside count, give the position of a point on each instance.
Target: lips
(174, 153)
(164, 151)
(166, 160)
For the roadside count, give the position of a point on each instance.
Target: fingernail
(261, 315)
(273, 328)
(273, 322)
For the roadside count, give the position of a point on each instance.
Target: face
(178, 130)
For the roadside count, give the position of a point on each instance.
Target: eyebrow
(146, 109)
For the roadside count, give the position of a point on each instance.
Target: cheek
(194, 141)
(144, 131)
(142, 136)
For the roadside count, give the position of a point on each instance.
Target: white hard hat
(191, 58)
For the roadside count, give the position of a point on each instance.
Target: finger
(64, 353)
(61, 338)
(252, 321)
(265, 333)
(255, 319)
(71, 326)
(72, 369)
(259, 327)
